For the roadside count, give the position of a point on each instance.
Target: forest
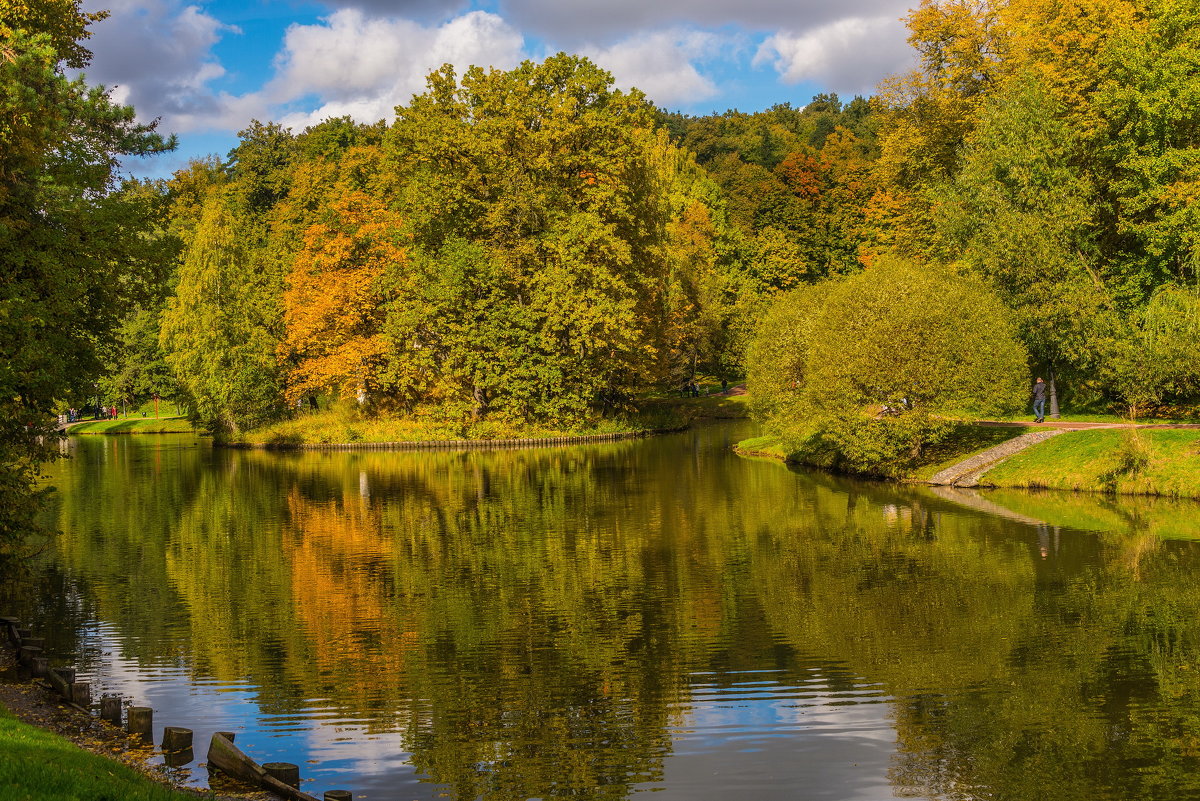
(537, 246)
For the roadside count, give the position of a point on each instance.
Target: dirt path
(1065, 425)
(967, 472)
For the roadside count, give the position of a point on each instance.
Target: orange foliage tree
(334, 304)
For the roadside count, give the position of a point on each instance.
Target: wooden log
(338, 795)
(110, 709)
(23, 633)
(176, 738)
(39, 666)
(140, 721)
(286, 772)
(81, 694)
(68, 674)
(40, 642)
(59, 682)
(229, 759)
(228, 735)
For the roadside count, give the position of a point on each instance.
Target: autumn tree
(334, 305)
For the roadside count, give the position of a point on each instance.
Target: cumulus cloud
(362, 66)
(661, 64)
(849, 55)
(157, 56)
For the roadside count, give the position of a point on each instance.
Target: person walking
(1039, 401)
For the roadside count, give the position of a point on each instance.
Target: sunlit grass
(40, 766)
(134, 425)
(1147, 462)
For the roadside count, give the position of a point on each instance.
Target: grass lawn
(1146, 462)
(134, 425)
(40, 766)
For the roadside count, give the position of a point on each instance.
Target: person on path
(1039, 401)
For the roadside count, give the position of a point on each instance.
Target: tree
(216, 329)
(538, 214)
(68, 242)
(334, 307)
(892, 357)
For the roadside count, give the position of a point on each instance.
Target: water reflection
(623, 617)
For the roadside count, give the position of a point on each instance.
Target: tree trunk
(1053, 395)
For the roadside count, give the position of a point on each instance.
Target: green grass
(40, 766)
(134, 425)
(767, 446)
(1147, 462)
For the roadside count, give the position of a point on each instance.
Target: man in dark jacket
(1039, 401)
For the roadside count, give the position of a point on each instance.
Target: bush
(880, 365)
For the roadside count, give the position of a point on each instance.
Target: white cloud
(157, 56)
(661, 64)
(363, 66)
(850, 55)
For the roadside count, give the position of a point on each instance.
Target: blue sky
(207, 69)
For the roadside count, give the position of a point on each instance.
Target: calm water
(606, 621)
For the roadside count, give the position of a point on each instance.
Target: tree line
(534, 244)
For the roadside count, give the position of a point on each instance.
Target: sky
(205, 70)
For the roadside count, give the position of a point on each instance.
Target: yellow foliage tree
(334, 304)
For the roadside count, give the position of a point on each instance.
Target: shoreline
(1162, 462)
(456, 444)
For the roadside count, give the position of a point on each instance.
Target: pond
(609, 620)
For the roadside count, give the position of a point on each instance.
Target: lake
(610, 620)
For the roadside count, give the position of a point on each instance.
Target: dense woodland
(534, 244)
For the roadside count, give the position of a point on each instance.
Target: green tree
(538, 218)
(68, 242)
(892, 357)
(217, 328)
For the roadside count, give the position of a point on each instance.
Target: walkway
(968, 472)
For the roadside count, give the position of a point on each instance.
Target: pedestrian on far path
(1039, 401)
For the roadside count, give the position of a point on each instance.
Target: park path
(968, 472)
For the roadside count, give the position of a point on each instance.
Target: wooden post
(39, 666)
(67, 673)
(81, 693)
(285, 772)
(228, 735)
(176, 738)
(140, 720)
(110, 709)
(40, 642)
(28, 653)
(338, 795)
(23, 633)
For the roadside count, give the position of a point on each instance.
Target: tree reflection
(529, 620)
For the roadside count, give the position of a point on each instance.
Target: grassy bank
(1162, 462)
(964, 443)
(1159, 462)
(40, 766)
(347, 425)
(134, 425)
